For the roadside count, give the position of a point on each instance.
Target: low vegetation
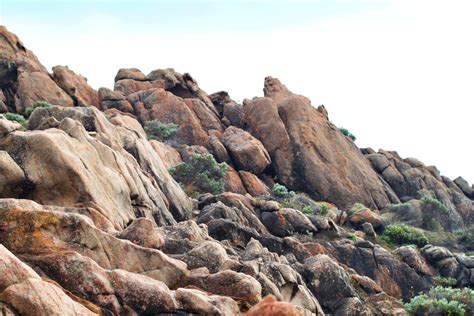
(14, 117)
(401, 234)
(435, 204)
(356, 207)
(37, 104)
(200, 174)
(442, 301)
(346, 132)
(160, 131)
(445, 281)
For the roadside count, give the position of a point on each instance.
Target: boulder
(142, 232)
(76, 87)
(253, 185)
(130, 73)
(306, 148)
(269, 306)
(286, 222)
(233, 182)
(109, 99)
(247, 152)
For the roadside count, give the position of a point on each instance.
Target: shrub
(356, 207)
(37, 104)
(442, 301)
(202, 174)
(351, 236)
(159, 130)
(323, 209)
(445, 281)
(308, 210)
(466, 236)
(434, 203)
(401, 234)
(346, 132)
(282, 192)
(14, 117)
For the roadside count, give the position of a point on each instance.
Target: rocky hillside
(158, 198)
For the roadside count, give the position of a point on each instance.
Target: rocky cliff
(157, 198)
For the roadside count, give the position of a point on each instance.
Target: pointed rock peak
(274, 89)
(9, 44)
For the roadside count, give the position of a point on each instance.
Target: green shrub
(308, 210)
(466, 235)
(37, 104)
(14, 117)
(323, 209)
(470, 253)
(445, 281)
(442, 301)
(351, 236)
(202, 174)
(159, 130)
(356, 207)
(280, 191)
(346, 132)
(401, 234)
(434, 203)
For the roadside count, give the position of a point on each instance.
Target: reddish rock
(233, 182)
(114, 100)
(142, 232)
(247, 152)
(76, 87)
(158, 104)
(130, 73)
(269, 306)
(319, 159)
(168, 154)
(129, 86)
(253, 184)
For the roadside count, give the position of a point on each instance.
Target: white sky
(400, 76)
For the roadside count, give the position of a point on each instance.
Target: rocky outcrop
(309, 153)
(75, 86)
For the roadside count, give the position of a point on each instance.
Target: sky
(399, 74)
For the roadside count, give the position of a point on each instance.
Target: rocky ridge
(92, 221)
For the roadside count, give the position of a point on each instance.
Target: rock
(183, 86)
(208, 254)
(13, 270)
(465, 188)
(168, 154)
(35, 296)
(75, 86)
(142, 232)
(365, 216)
(217, 148)
(130, 86)
(6, 126)
(282, 116)
(158, 104)
(206, 116)
(109, 99)
(13, 178)
(369, 229)
(246, 152)
(253, 185)
(235, 114)
(269, 306)
(412, 257)
(141, 184)
(233, 182)
(228, 283)
(286, 222)
(328, 282)
(130, 73)
(242, 216)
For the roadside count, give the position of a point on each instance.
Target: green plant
(280, 191)
(351, 236)
(435, 203)
(470, 253)
(159, 130)
(37, 104)
(201, 173)
(346, 132)
(442, 301)
(445, 281)
(356, 207)
(14, 117)
(323, 209)
(401, 234)
(308, 210)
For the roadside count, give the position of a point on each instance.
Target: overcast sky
(398, 74)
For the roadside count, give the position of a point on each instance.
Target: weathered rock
(413, 258)
(142, 232)
(13, 178)
(130, 86)
(233, 182)
(75, 86)
(286, 222)
(158, 104)
(246, 152)
(306, 149)
(235, 114)
(253, 185)
(130, 73)
(465, 188)
(242, 216)
(24, 80)
(168, 154)
(365, 216)
(269, 306)
(206, 116)
(109, 99)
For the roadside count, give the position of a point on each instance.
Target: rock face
(92, 222)
(309, 152)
